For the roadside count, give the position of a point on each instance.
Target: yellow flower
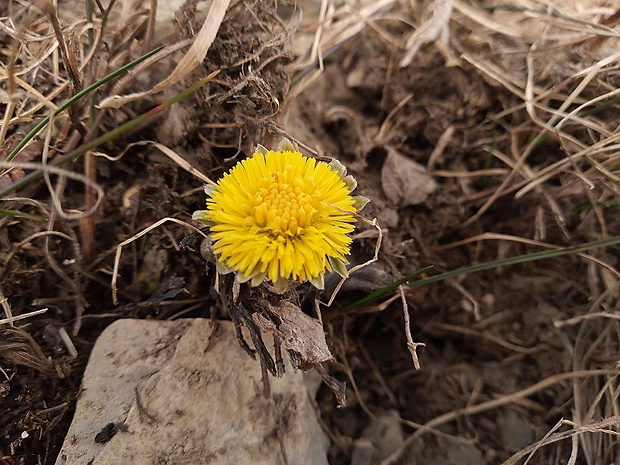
(281, 215)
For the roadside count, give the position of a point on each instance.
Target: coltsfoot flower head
(280, 215)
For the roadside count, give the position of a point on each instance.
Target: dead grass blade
(437, 27)
(45, 170)
(119, 249)
(12, 319)
(73, 155)
(174, 156)
(74, 99)
(29, 239)
(18, 347)
(493, 404)
(332, 31)
(195, 55)
(603, 426)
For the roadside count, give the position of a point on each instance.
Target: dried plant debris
(260, 310)
(19, 348)
(301, 335)
(481, 131)
(251, 85)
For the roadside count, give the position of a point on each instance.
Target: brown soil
(442, 146)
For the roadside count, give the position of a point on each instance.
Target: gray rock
(405, 181)
(153, 393)
(382, 437)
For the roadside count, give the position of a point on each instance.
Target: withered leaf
(299, 333)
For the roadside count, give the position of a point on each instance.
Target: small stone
(405, 181)
(154, 393)
(381, 438)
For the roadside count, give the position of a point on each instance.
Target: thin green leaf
(75, 98)
(488, 161)
(18, 214)
(531, 257)
(601, 107)
(384, 290)
(104, 20)
(129, 125)
(89, 19)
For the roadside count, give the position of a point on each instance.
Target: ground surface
(508, 110)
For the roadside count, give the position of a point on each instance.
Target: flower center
(283, 205)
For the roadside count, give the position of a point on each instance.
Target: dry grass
(511, 107)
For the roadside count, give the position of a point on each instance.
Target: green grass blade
(384, 290)
(89, 19)
(76, 97)
(18, 214)
(600, 108)
(129, 125)
(104, 20)
(531, 257)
